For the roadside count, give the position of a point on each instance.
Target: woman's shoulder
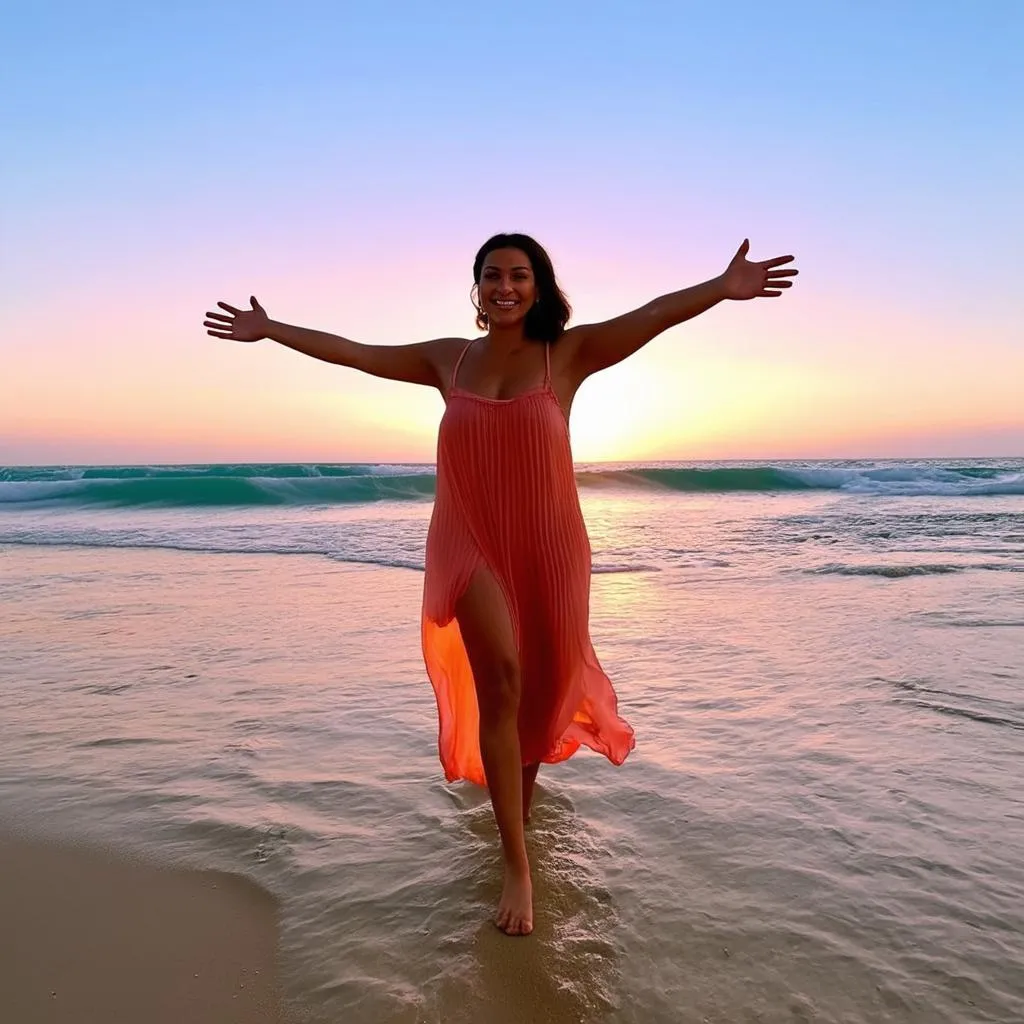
(445, 354)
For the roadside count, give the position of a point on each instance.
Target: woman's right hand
(241, 325)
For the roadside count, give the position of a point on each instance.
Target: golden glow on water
(626, 593)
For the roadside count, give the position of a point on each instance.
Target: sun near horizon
(149, 186)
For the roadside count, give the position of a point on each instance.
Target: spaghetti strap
(458, 363)
(547, 362)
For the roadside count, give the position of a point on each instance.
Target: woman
(506, 594)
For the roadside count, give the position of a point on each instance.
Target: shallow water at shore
(821, 821)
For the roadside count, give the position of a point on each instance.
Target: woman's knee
(498, 690)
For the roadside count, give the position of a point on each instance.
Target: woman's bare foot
(515, 910)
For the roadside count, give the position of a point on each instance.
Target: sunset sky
(344, 161)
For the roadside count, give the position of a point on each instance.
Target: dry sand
(85, 938)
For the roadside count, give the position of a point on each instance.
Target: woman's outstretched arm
(422, 363)
(597, 346)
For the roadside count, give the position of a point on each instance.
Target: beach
(281, 286)
(89, 938)
(216, 718)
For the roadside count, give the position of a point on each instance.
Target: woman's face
(507, 287)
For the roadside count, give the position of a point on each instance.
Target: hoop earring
(481, 316)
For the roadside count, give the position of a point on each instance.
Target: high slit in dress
(507, 500)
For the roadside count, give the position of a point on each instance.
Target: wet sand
(86, 938)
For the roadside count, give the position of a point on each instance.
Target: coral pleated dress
(507, 501)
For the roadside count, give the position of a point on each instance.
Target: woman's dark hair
(546, 319)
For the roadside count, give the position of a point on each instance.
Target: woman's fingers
(232, 326)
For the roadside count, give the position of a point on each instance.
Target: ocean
(823, 818)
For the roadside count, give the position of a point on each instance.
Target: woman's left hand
(745, 280)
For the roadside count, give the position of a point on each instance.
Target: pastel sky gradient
(343, 161)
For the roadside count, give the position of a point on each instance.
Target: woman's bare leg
(486, 628)
(529, 778)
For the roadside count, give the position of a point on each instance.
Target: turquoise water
(822, 661)
(306, 484)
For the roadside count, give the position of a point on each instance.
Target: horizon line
(588, 462)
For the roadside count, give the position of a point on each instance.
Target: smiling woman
(506, 283)
(505, 618)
